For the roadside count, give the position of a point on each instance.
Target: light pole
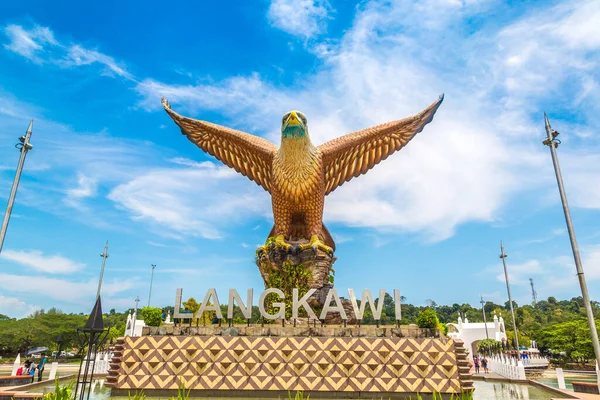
(137, 300)
(151, 280)
(24, 147)
(104, 256)
(512, 311)
(487, 336)
(552, 142)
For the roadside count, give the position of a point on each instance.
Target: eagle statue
(298, 174)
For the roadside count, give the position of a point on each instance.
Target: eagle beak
(293, 119)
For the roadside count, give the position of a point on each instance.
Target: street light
(552, 142)
(24, 147)
(104, 256)
(512, 311)
(137, 300)
(487, 336)
(151, 280)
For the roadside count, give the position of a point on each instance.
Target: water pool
(483, 391)
(509, 391)
(568, 381)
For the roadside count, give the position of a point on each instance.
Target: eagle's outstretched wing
(354, 154)
(250, 155)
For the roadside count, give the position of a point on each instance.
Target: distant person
(476, 362)
(41, 366)
(27, 367)
(484, 364)
(32, 371)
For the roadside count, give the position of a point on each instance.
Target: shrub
(181, 393)
(60, 392)
(152, 316)
(137, 396)
(428, 319)
(488, 343)
(443, 328)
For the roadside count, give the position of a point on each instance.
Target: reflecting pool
(509, 391)
(568, 381)
(483, 391)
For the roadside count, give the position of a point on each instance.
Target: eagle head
(293, 125)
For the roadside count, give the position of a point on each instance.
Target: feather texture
(354, 154)
(250, 155)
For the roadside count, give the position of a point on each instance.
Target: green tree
(152, 316)
(572, 338)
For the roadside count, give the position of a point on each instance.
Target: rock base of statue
(274, 262)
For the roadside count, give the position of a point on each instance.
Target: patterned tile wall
(401, 365)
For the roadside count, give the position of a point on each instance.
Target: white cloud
(591, 262)
(304, 18)
(579, 170)
(155, 244)
(548, 236)
(190, 201)
(36, 260)
(78, 56)
(70, 291)
(533, 58)
(15, 308)
(86, 187)
(39, 45)
(29, 43)
(519, 274)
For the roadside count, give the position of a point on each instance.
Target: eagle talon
(281, 243)
(317, 244)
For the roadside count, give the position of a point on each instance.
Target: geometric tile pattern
(333, 364)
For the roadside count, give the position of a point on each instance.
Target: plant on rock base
(290, 276)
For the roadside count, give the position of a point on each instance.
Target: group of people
(480, 362)
(30, 367)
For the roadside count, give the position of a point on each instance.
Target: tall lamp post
(503, 256)
(137, 300)
(487, 336)
(552, 142)
(104, 256)
(151, 280)
(24, 147)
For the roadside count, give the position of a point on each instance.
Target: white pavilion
(471, 333)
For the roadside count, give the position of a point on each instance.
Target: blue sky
(109, 164)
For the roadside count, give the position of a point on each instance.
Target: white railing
(507, 367)
(102, 362)
(535, 361)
